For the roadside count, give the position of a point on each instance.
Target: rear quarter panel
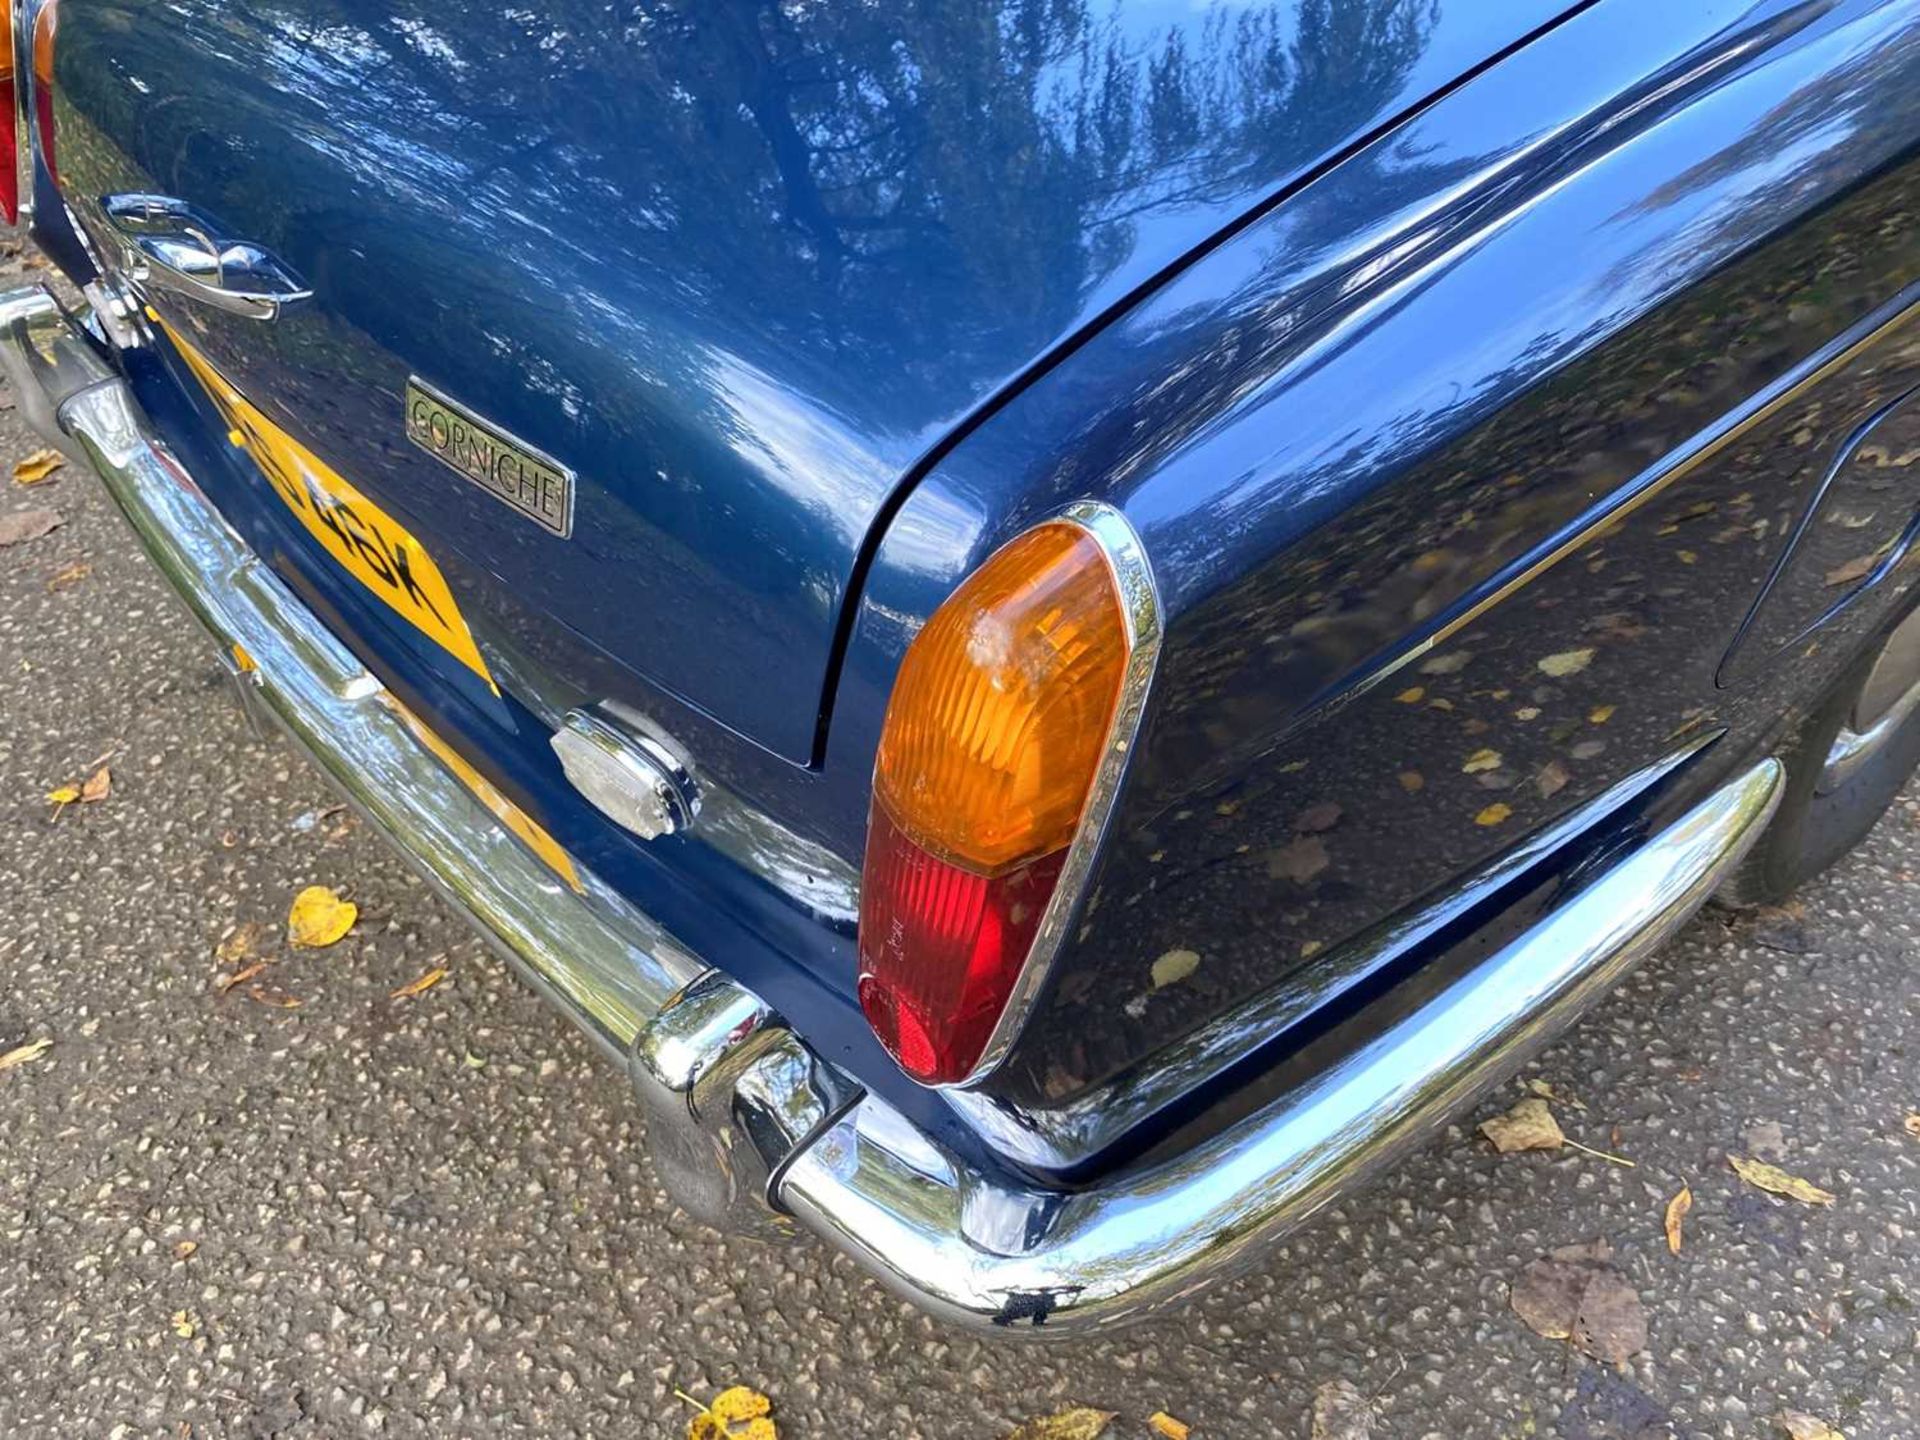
(1460, 471)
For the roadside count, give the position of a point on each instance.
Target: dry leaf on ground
(1480, 761)
(1677, 1209)
(420, 987)
(1559, 1097)
(241, 943)
(1164, 1424)
(19, 526)
(184, 1325)
(1912, 1123)
(278, 999)
(1802, 1426)
(1079, 1423)
(1575, 1294)
(319, 917)
(184, 1250)
(98, 786)
(737, 1413)
(1527, 1126)
(1496, 814)
(224, 983)
(22, 1054)
(1341, 1412)
(37, 467)
(1773, 1179)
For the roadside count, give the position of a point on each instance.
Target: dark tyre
(1846, 765)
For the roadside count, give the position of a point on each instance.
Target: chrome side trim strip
(979, 1253)
(1140, 603)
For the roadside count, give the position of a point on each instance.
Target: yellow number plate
(368, 543)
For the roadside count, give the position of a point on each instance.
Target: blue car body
(1495, 390)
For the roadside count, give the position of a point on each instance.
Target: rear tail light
(1007, 725)
(9, 125)
(16, 167)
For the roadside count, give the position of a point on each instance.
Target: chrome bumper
(747, 1125)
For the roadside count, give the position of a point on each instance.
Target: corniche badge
(536, 485)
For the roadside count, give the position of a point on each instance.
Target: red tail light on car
(15, 163)
(9, 127)
(1009, 718)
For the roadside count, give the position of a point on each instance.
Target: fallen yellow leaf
(737, 1413)
(420, 987)
(184, 1250)
(184, 1324)
(37, 467)
(1912, 1122)
(20, 1055)
(1677, 1209)
(1079, 1423)
(1527, 1126)
(1494, 814)
(1165, 1424)
(1763, 1176)
(65, 795)
(1481, 760)
(319, 917)
(1600, 714)
(1412, 695)
(1802, 1426)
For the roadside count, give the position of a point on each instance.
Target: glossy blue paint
(1360, 311)
(1624, 268)
(739, 265)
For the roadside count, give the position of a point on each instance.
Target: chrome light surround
(21, 14)
(1140, 605)
(632, 779)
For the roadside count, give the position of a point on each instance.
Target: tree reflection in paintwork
(741, 263)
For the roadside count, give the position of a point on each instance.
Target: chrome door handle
(170, 244)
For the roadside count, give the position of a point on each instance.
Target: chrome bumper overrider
(747, 1125)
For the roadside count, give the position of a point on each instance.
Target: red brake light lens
(45, 30)
(9, 141)
(993, 737)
